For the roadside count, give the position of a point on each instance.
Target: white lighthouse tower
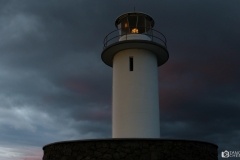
(135, 51)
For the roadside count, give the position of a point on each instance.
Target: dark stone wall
(131, 149)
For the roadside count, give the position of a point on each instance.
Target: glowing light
(134, 30)
(125, 25)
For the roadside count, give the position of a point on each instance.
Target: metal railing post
(106, 40)
(152, 33)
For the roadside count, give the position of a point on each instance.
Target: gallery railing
(153, 35)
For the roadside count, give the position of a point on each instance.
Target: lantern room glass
(134, 24)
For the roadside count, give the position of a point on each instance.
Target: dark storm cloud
(199, 89)
(54, 85)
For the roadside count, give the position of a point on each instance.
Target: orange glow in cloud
(32, 159)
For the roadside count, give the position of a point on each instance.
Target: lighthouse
(135, 51)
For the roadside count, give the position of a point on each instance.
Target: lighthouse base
(131, 149)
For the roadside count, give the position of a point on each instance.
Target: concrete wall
(131, 149)
(135, 95)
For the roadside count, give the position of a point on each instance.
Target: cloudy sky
(54, 86)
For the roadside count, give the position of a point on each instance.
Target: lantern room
(136, 23)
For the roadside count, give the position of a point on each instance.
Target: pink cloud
(21, 153)
(100, 115)
(78, 86)
(32, 154)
